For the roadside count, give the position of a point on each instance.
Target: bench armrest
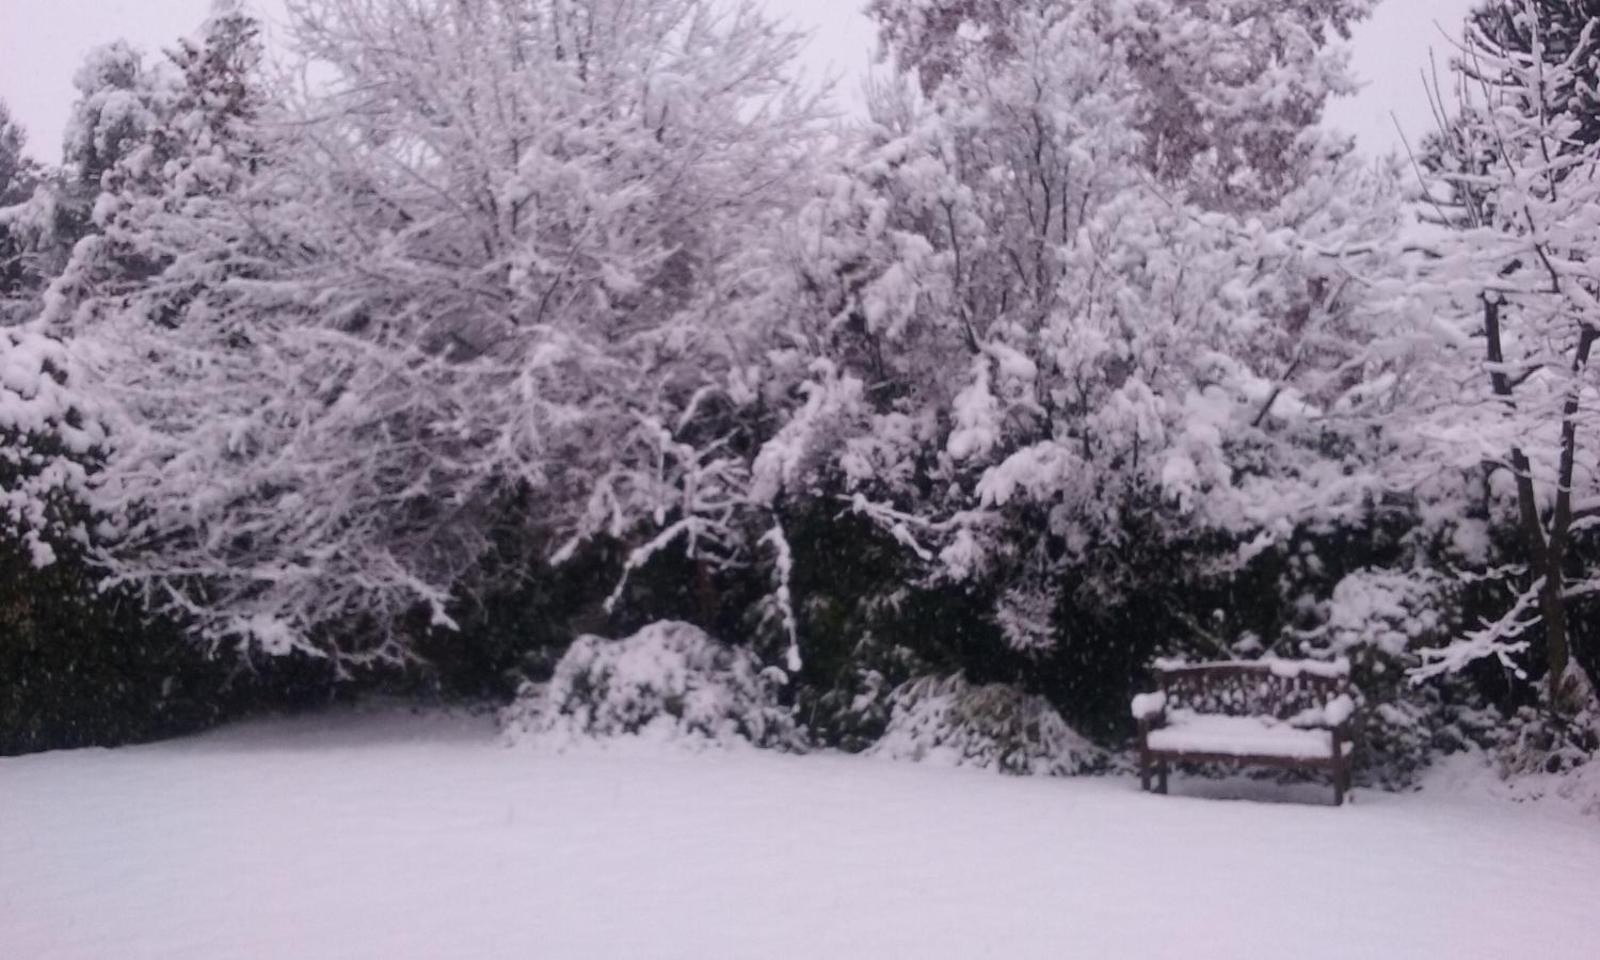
(1150, 709)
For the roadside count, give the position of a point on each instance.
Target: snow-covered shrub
(1526, 754)
(47, 438)
(1385, 612)
(1376, 619)
(1577, 786)
(994, 726)
(1532, 741)
(669, 681)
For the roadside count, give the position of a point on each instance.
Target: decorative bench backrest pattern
(1281, 689)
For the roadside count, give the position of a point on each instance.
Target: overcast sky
(42, 42)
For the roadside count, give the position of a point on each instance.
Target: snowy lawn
(387, 835)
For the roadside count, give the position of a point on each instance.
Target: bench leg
(1144, 773)
(1162, 778)
(1339, 766)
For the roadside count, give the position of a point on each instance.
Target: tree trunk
(705, 593)
(1547, 554)
(1552, 598)
(1554, 610)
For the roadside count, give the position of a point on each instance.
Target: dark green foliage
(1583, 625)
(80, 668)
(867, 627)
(516, 627)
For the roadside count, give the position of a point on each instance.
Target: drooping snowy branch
(782, 596)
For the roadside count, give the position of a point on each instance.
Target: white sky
(42, 42)
(1390, 52)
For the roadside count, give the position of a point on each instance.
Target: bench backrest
(1275, 688)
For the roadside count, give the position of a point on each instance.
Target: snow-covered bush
(993, 726)
(1384, 613)
(1532, 741)
(1531, 754)
(49, 437)
(669, 681)
(1377, 619)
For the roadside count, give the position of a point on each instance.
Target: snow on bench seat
(1209, 733)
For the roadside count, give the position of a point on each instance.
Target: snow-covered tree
(1042, 344)
(1507, 385)
(120, 102)
(1561, 32)
(14, 165)
(499, 264)
(1229, 91)
(158, 163)
(49, 436)
(17, 180)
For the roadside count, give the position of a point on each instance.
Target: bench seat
(1209, 734)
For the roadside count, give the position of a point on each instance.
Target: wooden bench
(1284, 713)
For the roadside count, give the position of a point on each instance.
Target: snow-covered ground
(385, 835)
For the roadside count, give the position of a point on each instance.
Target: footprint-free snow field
(392, 836)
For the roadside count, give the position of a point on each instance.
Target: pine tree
(16, 170)
(192, 148)
(18, 178)
(120, 103)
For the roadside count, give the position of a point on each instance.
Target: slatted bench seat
(1286, 713)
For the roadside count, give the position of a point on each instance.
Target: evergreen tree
(17, 172)
(18, 178)
(120, 103)
(162, 167)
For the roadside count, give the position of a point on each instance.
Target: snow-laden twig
(783, 598)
